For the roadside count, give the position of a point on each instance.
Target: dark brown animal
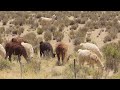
(61, 51)
(46, 49)
(18, 40)
(13, 48)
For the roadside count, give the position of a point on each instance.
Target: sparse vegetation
(30, 26)
(47, 36)
(39, 31)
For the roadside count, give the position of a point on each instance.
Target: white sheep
(92, 47)
(2, 51)
(89, 57)
(29, 49)
(46, 19)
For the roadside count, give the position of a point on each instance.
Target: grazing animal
(92, 47)
(18, 40)
(46, 48)
(89, 57)
(13, 48)
(2, 51)
(29, 49)
(46, 19)
(62, 51)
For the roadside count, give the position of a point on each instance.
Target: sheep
(89, 57)
(2, 51)
(29, 49)
(92, 47)
(46, 19)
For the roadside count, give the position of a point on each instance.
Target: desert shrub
(30, 38)
(20, 30)
(47, 36)
(83, 20)
(19, 21)
(14, 31)
(111, 52)
(107, 38)
(74, 27)
(76, 48)
(72, 34)
(78, 40)
(34, 25)
(34, 67)
(61, 27)
(40, 31)
(4, 21)
(113, 32)
(78, 20)
(1, 39)
(9, 30)
(81, 32)
(88, 39)
(72, 22)
(2, 30)
(58, 35)
(52, 28)
(5, 65)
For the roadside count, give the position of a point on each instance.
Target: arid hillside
(101, 28)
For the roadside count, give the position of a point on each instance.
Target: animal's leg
(6, 55)
(19, 58)
(63, 58)
(58, 56)
(10, 55)
(40, 54)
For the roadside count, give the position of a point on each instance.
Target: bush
(1, 40)
(74, 27)
(2, 30)
(88, 39)
(40, 31)
(72, 22)
(30, 38)
(5, 21)
(107, 38)
(52, 28)
(72, 34)
(81, 32)
(78, 40)
(34, 66)
(14, 32)
(58, 35)
(47, 36)
(5, 65)
(111, 52)
(20, 30)
(76, 48)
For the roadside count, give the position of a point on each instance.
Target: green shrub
(107, 38)
(58, 35)
(2, 30)
(14, 32)
(20, 30)
(47, 36)
(5, 65)
(40, 31)
(111, 52)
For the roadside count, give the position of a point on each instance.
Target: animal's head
(79, 50)
(41, 42)
(81, 45)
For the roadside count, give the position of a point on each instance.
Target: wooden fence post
(74, 69)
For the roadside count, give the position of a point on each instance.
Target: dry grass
(63, 28)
